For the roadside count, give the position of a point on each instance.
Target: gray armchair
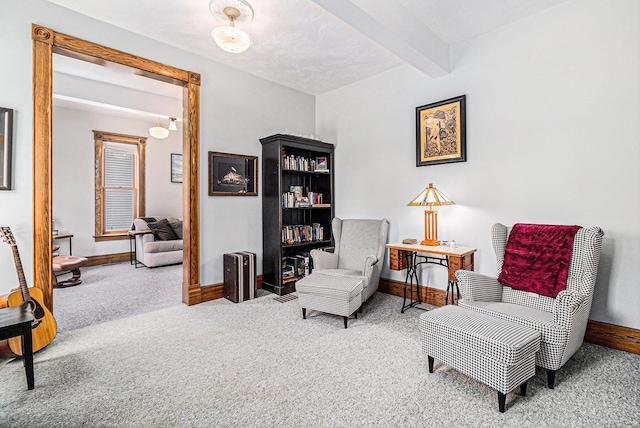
(359, 252)
(562, 321)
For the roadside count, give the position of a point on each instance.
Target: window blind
(119, 185)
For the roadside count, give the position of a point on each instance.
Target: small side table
(67, 236)
(16, 321)
(133, 251)
(411, 256)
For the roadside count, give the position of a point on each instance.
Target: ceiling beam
(391, 26)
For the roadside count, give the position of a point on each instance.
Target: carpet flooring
(259, 364)
(115, 291)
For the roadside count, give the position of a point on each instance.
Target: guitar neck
(21, 278)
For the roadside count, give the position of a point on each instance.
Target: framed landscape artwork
(441, 132)
(232, 175)
(176, 168)
(6, 126)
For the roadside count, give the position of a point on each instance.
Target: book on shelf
(288, 273)
(315, 198)
(304, 268)
(297, 163)
(299, 234)
(295, 199)
(321, 205)
(293, 265)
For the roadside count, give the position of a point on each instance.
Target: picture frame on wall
(6, 142)
(176, 168)
(232, 175)
(441, 132)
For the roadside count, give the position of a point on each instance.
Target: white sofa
(152, 252)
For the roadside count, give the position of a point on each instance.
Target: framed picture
(441, 132)
(176, 168)
(6, 128)
(232, 175)
(321, 164)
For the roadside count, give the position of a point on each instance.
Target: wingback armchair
(562, 321)
(359, 251)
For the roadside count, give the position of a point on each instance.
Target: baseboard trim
(431, 296)
(613, 336)
(210, 292)
(107, 259)
(600, 333)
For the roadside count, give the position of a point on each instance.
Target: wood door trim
(45, 42)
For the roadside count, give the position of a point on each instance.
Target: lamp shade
(172, 124)
(430, 197)
(231, 39)
(158, 132)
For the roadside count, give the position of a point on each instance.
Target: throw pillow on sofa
(162, 230)
(176, 225)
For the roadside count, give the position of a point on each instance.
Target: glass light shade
(159, 132)
(430, 197)
(172, 125)
(231, 39)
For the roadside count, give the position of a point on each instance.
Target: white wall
(74, 182)
(553, 134)
(236, 110)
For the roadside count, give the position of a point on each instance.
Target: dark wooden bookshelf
(276, 181)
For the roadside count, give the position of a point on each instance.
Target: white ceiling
(316, 46)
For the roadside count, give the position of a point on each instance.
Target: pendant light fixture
(228, 37)
(158, 131)
(172, 124)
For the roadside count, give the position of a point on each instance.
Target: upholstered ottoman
(496, 352)
(332, 294)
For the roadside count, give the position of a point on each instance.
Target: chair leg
(523, 389)
(346, 319)
(501, 400)
(551, 378)
(430, 364)
(304, 313)
(355, 314)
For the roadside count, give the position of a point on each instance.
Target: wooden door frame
(46, 42)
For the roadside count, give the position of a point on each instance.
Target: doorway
(46, 42)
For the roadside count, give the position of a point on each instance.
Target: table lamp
(430, 197)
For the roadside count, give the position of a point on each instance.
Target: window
(119, 169)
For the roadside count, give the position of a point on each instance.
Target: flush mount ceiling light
(236, 12)
(158, 131)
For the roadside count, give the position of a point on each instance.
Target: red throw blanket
(537, 258)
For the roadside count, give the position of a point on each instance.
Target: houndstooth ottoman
(496, 352)
(333, 294)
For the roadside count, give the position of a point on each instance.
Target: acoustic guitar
(44, 326)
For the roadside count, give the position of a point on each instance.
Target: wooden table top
(139, 232)
(444, 250)
(54, 237)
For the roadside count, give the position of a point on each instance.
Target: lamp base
(431, 242)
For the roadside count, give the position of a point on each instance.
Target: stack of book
(296, 267)
(288, 272)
